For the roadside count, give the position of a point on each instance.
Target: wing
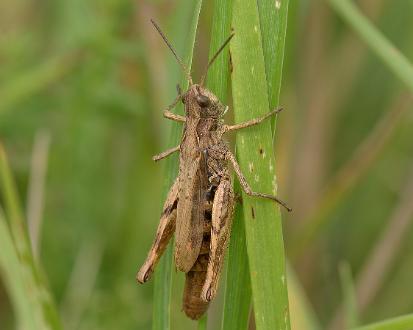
(190, 213)
(163, 234)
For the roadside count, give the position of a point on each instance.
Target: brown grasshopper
(199, 206)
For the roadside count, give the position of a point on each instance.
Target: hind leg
(222, 214)
(164, 233)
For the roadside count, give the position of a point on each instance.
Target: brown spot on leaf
(252, 212)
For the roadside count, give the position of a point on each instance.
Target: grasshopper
(199, 206)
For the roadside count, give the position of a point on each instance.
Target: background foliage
(82, 87)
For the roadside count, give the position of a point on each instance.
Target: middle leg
(166, 153)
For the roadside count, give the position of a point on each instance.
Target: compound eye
(203, 101)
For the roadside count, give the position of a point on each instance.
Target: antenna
(183, 67)
(215, 57)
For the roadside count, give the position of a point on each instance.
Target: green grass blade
(237, 301)
(217, 82)
(382, 47)
(36, 288)
(350, 300)
(273, 22)
(397, 323)
(11, 202)
(163, 274)
(203, 322)
(162, 292)
(10, 272)
(265, 244)
(303, 316)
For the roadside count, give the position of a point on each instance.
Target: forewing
(163, 234)
(190, 212)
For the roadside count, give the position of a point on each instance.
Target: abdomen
(193, 306)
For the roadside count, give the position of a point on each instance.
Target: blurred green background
(82, 89)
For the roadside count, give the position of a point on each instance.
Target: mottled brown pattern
(192, 304)
(201, 202)
(189, 227)
(222, 214)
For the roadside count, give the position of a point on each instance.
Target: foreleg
(170, 115)
(165, 154)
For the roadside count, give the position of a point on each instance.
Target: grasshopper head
(203, 103)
